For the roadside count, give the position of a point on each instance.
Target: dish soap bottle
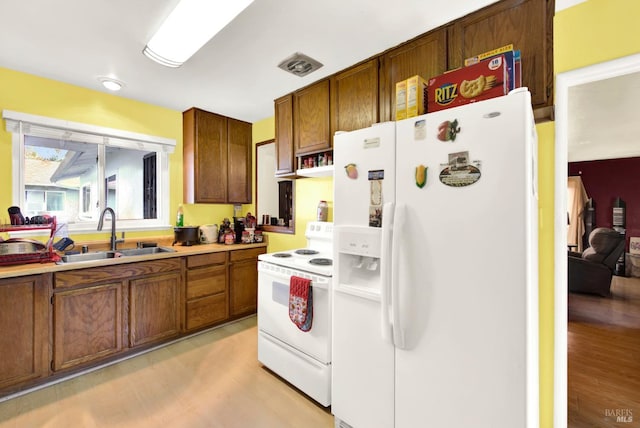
(180, 217)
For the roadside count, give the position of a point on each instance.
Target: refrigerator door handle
(385, 270)
(399, 225)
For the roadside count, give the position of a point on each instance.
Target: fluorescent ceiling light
(191, 24)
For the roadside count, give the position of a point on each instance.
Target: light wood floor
(604, 356)
(212, 380)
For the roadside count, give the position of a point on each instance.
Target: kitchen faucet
(114, 240)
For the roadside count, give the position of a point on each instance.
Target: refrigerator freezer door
(362, 367)
(467, 271)
(364, 176)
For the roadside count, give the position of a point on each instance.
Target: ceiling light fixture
(110, 83)
(191, 24)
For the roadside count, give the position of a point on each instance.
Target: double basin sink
(104, 255)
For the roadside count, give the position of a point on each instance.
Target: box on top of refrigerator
(513, 59)
(486, 79)
(401, 100)
(416, 96)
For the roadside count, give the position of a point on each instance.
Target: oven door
(273, 311)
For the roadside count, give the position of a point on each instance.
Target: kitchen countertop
(180, 251)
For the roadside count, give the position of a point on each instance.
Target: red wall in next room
(606, 180)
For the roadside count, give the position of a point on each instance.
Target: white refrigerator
(435, 292)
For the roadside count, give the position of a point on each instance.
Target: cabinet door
(311, 118)
(87, 324)
(243, 281)
(204, 157)
(238, 162)
(354, 97)
(24, 329)
(527, 24)
(284, 134)
(425, 56)
(154, 308)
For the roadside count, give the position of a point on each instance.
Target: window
(74, 171)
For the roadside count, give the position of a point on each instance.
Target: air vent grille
(299, 64)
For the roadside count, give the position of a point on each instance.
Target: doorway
(564, 82)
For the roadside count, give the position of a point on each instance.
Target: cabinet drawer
(246, 254)
(206, 259)
(206, 280)
(206, 311)
(96, 275)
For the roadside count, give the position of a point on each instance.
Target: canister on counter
(323, 211)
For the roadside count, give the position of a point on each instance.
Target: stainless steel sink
(103, 255)
(86, 257)
(145, 251)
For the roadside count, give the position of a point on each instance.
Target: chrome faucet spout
(114, 240)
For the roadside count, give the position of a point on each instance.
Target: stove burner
(321, 262)
(282, 255)
(306, 252)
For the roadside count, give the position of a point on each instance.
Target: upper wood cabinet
(311, 118)
(354, 97)
(355, 103)
(284, 135)
(527, 24)
(238, 161)
(425, 56)
(216, 158)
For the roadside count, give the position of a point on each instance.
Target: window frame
(21, 124)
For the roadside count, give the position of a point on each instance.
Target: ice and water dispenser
(359, 258)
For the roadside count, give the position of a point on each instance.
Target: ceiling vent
(299, 64)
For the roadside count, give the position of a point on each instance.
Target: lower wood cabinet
(100, 312)
(206, 290)
(87, 324)
(243, 281)
(24, 329)
(154, 308)
(51, 324)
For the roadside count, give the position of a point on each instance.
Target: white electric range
(302, 358)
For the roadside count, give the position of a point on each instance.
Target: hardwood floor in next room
(604, 357)
(211, 380)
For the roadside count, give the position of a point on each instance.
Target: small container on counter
(323, 211)
(257, 236)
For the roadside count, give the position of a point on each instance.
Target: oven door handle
(284, 275)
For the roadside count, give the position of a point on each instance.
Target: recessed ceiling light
(110, 83)
(191, 24)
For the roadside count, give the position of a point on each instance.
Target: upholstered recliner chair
(591, 271)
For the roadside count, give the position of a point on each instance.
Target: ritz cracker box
(486, 79)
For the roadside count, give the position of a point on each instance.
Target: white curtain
(577, 199)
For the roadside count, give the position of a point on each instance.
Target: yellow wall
(588, 33)
(307, 193)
